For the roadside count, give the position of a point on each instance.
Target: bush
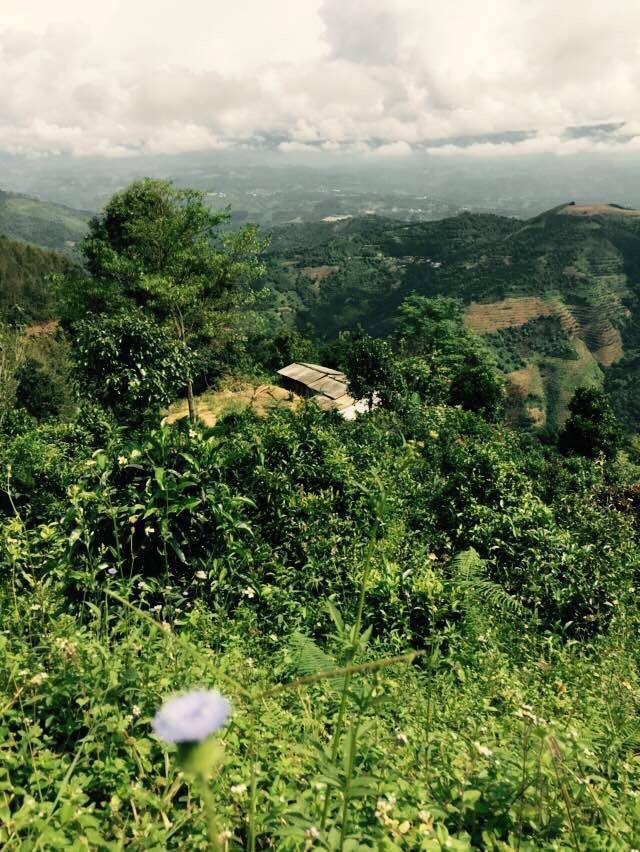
(592, 428)
(37, 391)
(127, 363)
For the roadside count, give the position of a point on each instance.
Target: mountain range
(556, 297)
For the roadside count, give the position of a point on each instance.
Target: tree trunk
(191, 402)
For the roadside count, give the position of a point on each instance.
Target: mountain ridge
(44, 223)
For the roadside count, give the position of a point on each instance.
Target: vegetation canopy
(416, 629)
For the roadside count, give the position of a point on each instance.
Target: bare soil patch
(597, 210)
(40, 328)
(319, 273)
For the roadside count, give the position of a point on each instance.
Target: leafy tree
(427, 325)
(460, 367)
(36, 390)
(275, 350)
(371, 369)
(425, 378)
(477, 387)
(592, 428)
(127, 363)
(169, 253)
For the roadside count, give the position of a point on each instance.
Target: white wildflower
(239, 791)
(483, 750)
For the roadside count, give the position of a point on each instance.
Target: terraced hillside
(43, 223)
(577, 263)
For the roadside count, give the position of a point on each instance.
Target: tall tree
(371, 369)
(163, 248)
(592, 428)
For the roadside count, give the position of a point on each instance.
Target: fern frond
(469, 577)
(307, 657)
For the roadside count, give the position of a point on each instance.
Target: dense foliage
(426, 622)
(515, 346)
(127, 363)
(26, 293)
(592, 428)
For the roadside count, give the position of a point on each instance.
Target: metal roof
(330, 386)
(328, 370)
(303, 374)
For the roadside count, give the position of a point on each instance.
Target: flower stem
(355, 636)
(210, 813)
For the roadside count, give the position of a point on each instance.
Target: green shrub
(127, 364)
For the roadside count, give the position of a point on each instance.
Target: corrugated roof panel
(330, 387)
(328, 371)
(300, 373)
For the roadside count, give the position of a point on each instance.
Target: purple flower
(112, 571)
(192, 717)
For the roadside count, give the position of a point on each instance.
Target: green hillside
(25, 271)
(41, 222)
(256, 624)
(578, 265)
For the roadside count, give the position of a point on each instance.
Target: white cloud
(393, 149)
(541, 144)
(332, 75)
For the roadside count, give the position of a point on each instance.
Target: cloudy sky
(378, 78)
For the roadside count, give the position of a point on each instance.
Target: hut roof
(328, 387)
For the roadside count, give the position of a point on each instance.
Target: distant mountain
(25, 272)
(41, 222)
(557, 296)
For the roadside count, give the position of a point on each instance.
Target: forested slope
(581, 269)
(278, 629)
(54, 226)
(25, 273)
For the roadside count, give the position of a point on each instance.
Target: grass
(214, 404)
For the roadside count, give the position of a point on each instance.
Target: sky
(367, 78)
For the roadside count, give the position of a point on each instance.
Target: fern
(307, 657)
(470, 579)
